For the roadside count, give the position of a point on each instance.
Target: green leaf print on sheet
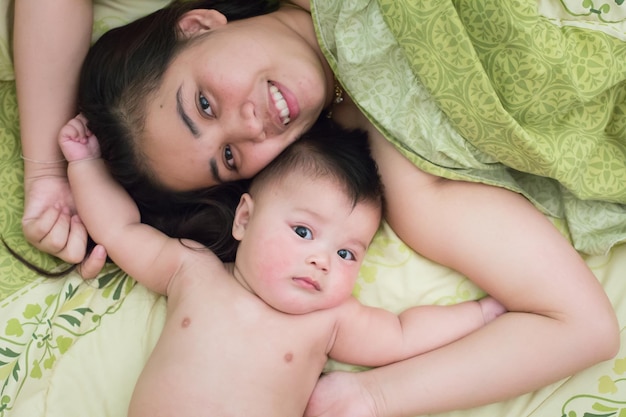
(36, 334)
(608, 402)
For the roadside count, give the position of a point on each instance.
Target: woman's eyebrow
(215, 172)
(195, 132)
(181, 113)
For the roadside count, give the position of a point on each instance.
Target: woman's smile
(285, 103)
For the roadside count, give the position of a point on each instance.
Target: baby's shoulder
(199, 267)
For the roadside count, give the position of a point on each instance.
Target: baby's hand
(491, 308)
(77, 142)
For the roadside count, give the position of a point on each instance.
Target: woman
(218, 112)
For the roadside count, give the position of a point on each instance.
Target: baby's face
(303, 244)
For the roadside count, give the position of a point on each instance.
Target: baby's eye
(346, 254)
(205, 105)
(229, 158)
(303, 232)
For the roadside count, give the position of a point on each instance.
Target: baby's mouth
(280, 104)
(308, 283)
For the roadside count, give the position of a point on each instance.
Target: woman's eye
(205, 105)
(346, 254)
(303, 232)
(229, 157)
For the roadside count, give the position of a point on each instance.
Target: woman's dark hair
(205, 216)
(122, 69)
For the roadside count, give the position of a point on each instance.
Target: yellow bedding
(75, 348)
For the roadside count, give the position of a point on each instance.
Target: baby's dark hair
(327, 150)
(121, 72)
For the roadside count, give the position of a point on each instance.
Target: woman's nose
(248, 126)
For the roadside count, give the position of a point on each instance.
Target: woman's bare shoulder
(300, 3)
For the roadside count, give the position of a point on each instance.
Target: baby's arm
(112, 217)
(374, 337)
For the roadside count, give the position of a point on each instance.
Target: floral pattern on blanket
(42, 321)
(608, 16)
(496, 93)
(609, 401)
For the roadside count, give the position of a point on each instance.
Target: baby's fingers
(76, 130)
(83, 121)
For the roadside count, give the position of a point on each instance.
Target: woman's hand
(342, 394)
(50, 222)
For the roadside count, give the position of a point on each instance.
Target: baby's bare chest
(231, 351)
(250, 328)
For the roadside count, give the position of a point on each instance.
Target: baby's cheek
(345, 282)
(273, 258)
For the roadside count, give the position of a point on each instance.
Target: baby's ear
(242, 216)
(198, 21)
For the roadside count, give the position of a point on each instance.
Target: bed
(75, 348)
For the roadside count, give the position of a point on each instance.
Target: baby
(251, 338)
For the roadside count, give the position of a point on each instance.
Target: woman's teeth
(281, 104)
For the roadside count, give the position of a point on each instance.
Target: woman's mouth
(281, 104)
(285, 103)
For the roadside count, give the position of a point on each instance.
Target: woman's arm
(560, 320)
(50, 42)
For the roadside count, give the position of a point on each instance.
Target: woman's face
(234, 99)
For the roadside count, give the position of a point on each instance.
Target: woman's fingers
(57, 233)
(93, 263)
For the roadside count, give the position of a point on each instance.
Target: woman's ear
(198, 21)
(242, 216)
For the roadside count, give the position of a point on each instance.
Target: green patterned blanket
(497, 93)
